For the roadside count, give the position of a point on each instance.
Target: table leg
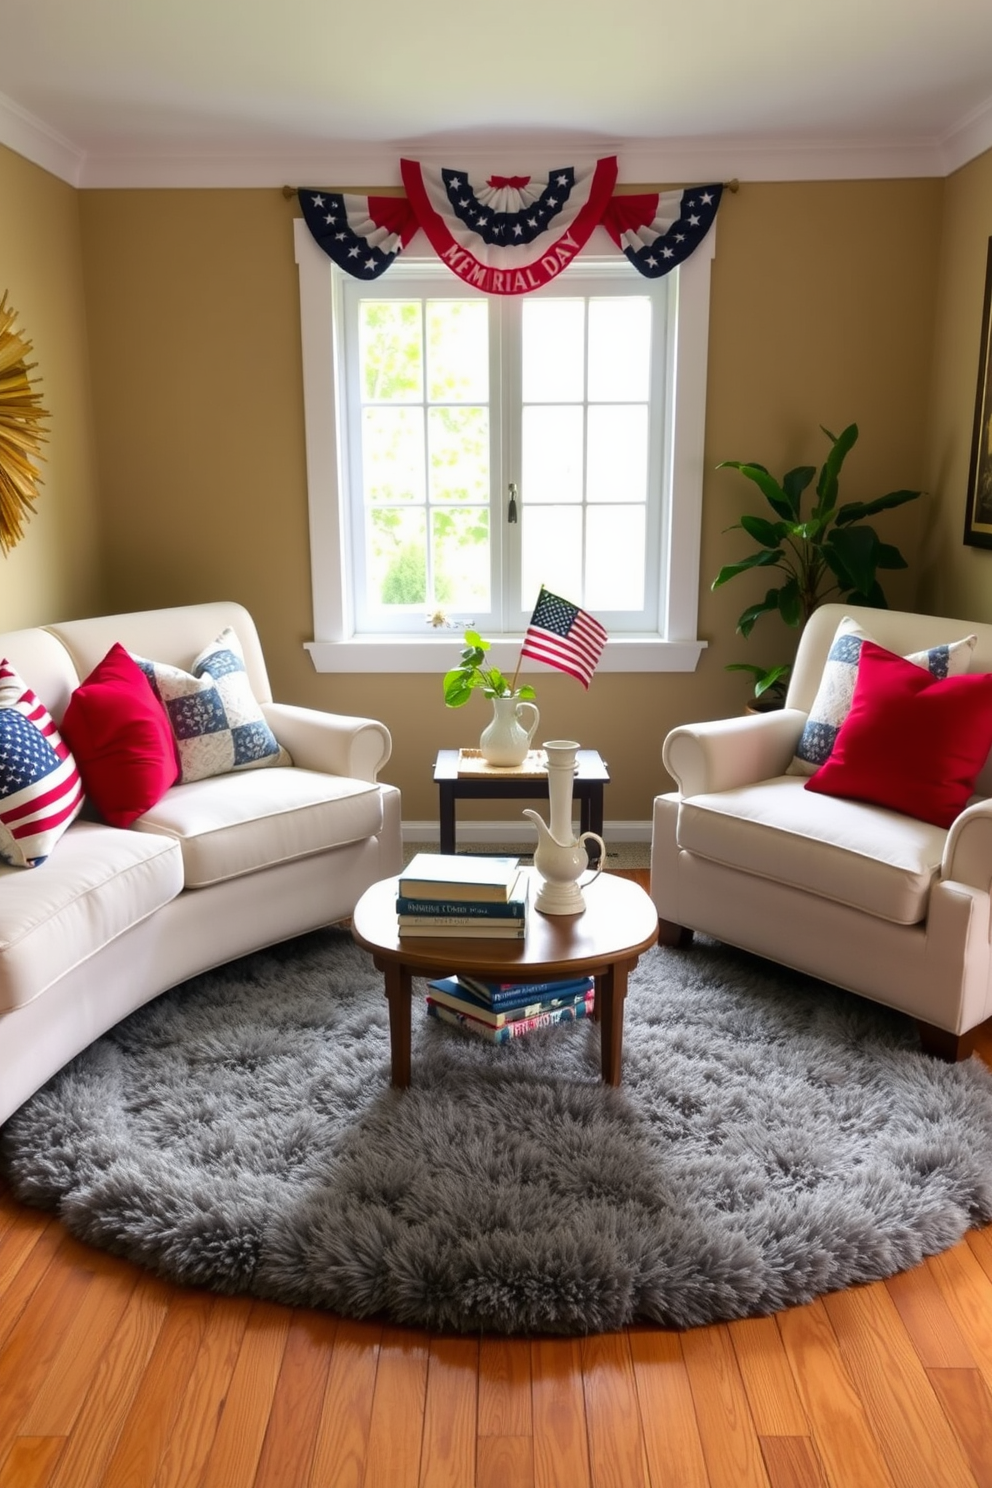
(399, 993)
(446, 793)
(611, 992)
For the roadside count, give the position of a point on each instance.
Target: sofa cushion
(119, 733)
(910, 742)
(40, 788)
(233, 824)
(99, 883)
(217, 723)
(835, 693)
(872, 859)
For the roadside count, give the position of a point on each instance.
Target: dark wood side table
(620, 923)
(590, 778)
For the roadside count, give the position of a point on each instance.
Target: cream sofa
(217, 868)
(873, 901)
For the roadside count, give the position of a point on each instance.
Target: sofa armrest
(330, 742)
(967, 855)
(728, 752)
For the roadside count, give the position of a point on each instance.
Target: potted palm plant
(826, 552)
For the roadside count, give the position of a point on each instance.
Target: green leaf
(889, 557)
(855, 511)
(826, 486)
(874, 597)
(766, 483)
(794, 483)
(764, 558)
(457, 689)
(474, 641)
(526, 693)
(856, 549)
(766, 606)
(769, 534)
(775, 676)
(790, 603)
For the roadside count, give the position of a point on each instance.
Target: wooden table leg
(446, 815)
(611, 992)
(399, 993)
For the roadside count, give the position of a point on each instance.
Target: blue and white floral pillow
(217, 723)
(836, 690)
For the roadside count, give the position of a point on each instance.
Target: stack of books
(442, 895)
(500, 1011)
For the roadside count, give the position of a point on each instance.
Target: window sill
(438, 654)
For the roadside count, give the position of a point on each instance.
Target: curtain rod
(622, 190)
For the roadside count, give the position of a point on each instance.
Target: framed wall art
(978, 515)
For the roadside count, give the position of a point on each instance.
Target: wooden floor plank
(505, 1407)
(448, 1455)
(26, 1252)
(66, 1385)
(505, 1462)
(672, 1446)
(397, 1422)
(842, 1435)
(967, 1403)
(294, 1420)
(151, 1420)
(561, 1448)
(202, 1402)
(613, 1426)
(791, 1462)
(115, 1384)
(237, 1447)
(343, 1435)
(726, 1428)
(905, 1415)
(31, 1462)
(967, 1290)
(928, 1320)
(771, 1392)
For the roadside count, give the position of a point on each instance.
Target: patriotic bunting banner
(659, 230)
(509, 234)
(362, 234)
(564, 636)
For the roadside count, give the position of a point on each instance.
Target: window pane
(397, 550)
(393, 454)
(619, 349)
(551, 552)
(553, 350)
(458, 351)
(617, 453)
(458, 441)
(551, 464)
(614, 557)
(461, 558)
(390, 350)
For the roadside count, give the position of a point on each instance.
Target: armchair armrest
(967, 855)
(330, 742)
(728, 752)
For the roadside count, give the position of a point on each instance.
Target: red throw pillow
(912, 742)
(120, 735)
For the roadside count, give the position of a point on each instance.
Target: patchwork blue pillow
(835, 693)
(217, 724)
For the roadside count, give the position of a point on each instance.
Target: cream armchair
(879, 903)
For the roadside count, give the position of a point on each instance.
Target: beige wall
(822, 312)
(54, 571)
(957, 579)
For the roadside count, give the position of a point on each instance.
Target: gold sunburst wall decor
(21, 431)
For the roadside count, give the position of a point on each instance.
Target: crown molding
(26, 135)
(968, 139)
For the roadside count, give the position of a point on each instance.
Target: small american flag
(40, 788)
(564, 636)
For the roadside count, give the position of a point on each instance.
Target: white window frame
(674, 647)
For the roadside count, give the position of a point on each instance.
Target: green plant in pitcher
(473, 673)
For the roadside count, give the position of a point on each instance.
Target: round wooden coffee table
(620, 923)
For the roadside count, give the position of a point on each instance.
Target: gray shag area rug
(773, 1139)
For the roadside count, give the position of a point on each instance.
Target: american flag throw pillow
(40, 789)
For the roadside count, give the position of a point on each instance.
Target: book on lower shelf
(507, 994)
(516, 1027)
(452, 993)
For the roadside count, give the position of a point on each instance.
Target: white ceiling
(147, 92)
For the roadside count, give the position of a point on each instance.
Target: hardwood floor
(111, 1378)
